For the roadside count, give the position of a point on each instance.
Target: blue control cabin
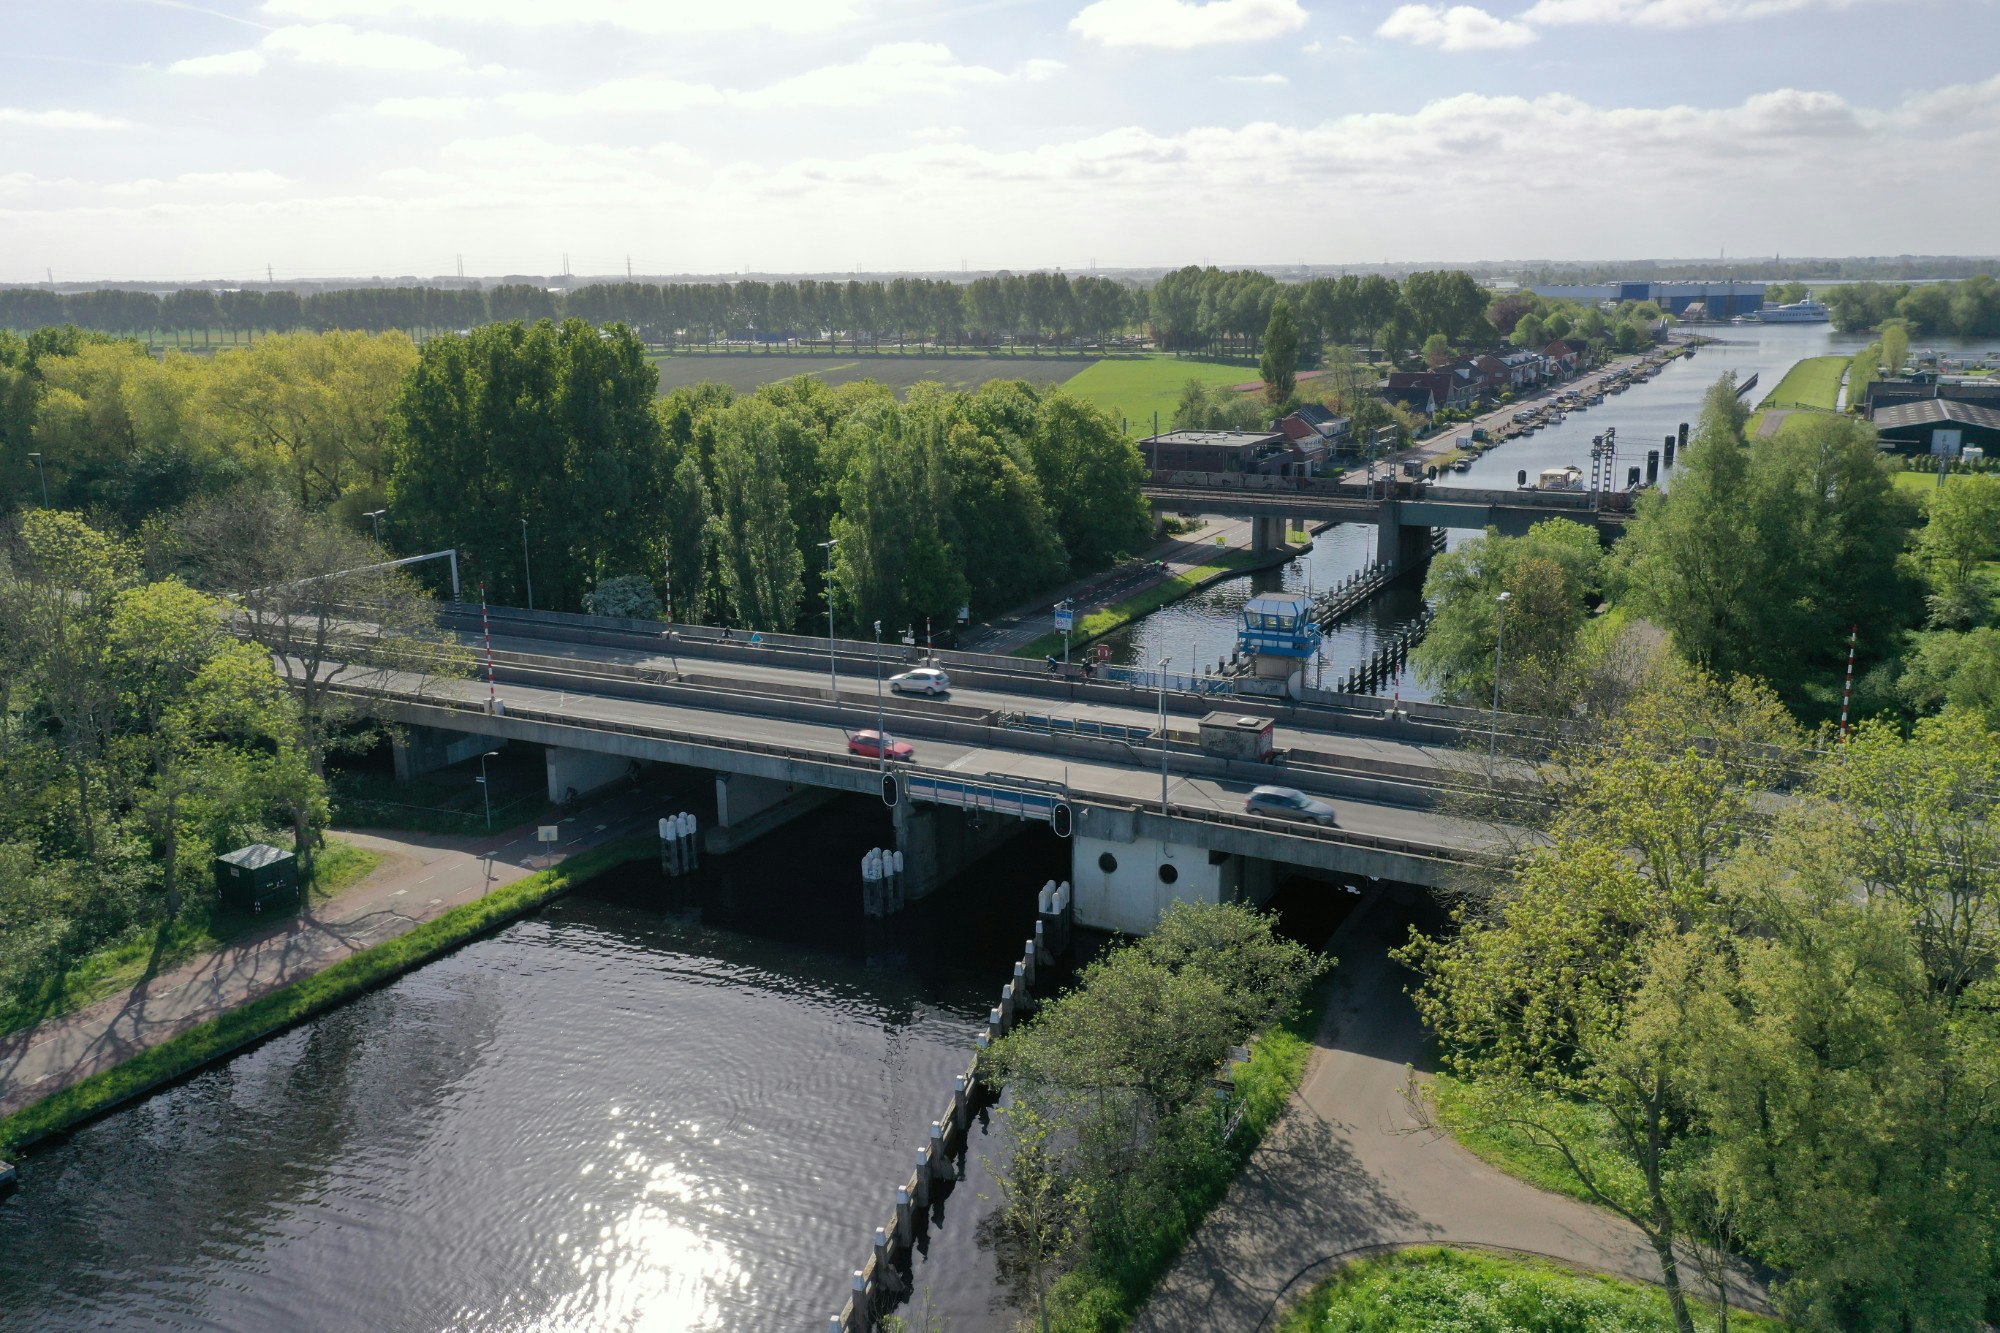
(1276, 631)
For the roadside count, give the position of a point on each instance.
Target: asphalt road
(1137, 782)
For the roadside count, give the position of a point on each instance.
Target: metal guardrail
(1076, 726)
(852, 763)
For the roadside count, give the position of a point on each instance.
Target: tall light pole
(1068, 609)
(832, 659)
(376, 514)
(881, 732)
(1499, 649)
(40, 472)
(485, 788)
(526, 567)
(1160, 670)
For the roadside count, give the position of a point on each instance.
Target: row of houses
(1471, 381)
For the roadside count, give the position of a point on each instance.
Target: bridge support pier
(1403, 547)
(420, 750)
(582, 771)
(747, 808)
(1267, 536)
(1127, 883)
(939, 841)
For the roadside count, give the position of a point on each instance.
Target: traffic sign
(1065, 618)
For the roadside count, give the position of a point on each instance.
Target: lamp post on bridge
(486, 788)
(832, 657)
(1160, 671)
(43, 474)
(376, 516)
(527, 568)
(881, 729)
(1499, 647)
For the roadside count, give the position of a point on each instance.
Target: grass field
(745, 371)
(203, 926)
(1133, 388)
(1813, 382)
(1471, 1291)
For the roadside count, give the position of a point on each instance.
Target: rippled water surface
(611, 1115)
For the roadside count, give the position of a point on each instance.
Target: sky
(174, 140)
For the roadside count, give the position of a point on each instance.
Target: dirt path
(420, 877)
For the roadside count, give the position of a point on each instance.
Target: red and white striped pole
(1847, 691)
(486, 625)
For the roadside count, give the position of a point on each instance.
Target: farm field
(1132, 388)
(746, 371)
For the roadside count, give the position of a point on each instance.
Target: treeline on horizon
(1195, 310)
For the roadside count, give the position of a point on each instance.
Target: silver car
(922, 680)
(1288, 803)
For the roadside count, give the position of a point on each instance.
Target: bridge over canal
(1008, 744)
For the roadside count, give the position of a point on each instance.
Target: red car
(868, 744)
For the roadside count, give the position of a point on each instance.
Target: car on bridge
(920, 680)
(868, 744)
(1288, 803)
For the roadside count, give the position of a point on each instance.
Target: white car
(1289, 803)
(923, 680)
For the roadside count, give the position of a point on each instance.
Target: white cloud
(1670, 13)
(202, 183)
(1459, 28)
(60, 120)
(224, 62)
(901, 69)
(1314, 47)
(339, 45)
(1184, 24)
(1264, 80)
(649, 16)
(1040, 70)
(425, 108)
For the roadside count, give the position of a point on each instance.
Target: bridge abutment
(940, 841)
(1267, 535)
(582, 771)
(746, 808)
(1404, 547)
(1125, 880)
(420, 750)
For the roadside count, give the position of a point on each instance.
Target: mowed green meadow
(1130, 388)
(746, 371)
(1133, 388)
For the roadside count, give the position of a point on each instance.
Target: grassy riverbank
(1813, 382)
(1120, 614)
(1470, 1291)
(203, 926)
(302, 999)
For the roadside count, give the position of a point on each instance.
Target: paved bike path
(1348, 1171)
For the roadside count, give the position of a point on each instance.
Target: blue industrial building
(1721, 300)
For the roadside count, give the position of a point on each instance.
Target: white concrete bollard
(905, 1215)
(940, 1164)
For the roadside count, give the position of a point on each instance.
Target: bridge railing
(470, 709)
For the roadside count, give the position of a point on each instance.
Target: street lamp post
(376, 515)
(43, 474)
(881, 732)
(1068, 608)
(832, 657)
(485, 788)
(1160, 670)
(1499, 648)
(526, 567)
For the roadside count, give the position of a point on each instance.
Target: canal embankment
(59, 1074)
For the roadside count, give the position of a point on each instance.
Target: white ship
(1807, 311)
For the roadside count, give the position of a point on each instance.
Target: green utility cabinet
(250, 876)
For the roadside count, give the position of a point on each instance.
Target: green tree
(1895, 346)
(1529, 333)
(1279, 367)
(1961, 532)
(1575, 980)
(1950, 669)
(1091, 477)
(762, 570)
(1437, 350)
(1550, 576)
(1854, 1070)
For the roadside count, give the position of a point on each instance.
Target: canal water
(641, 1108)
(1202, 628)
